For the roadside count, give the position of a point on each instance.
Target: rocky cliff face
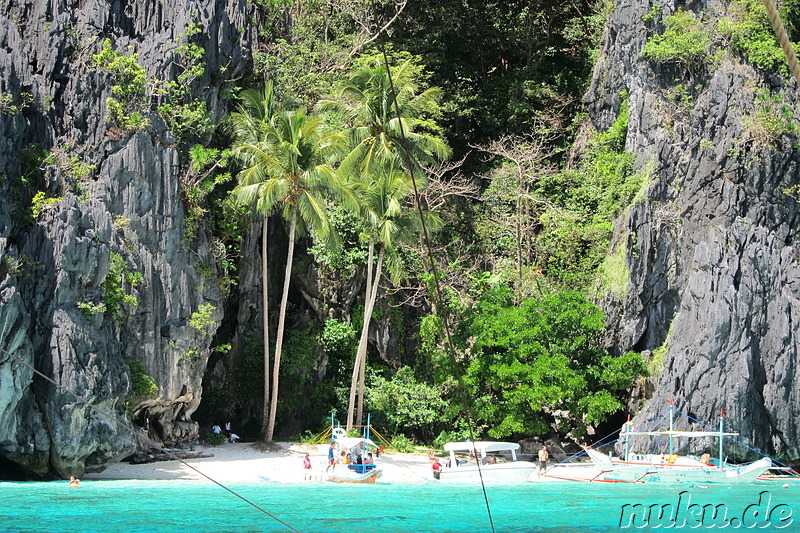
(115, 229)
(711, 250)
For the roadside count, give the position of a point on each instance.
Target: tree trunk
(365, 334)
(364, 324)
(281, 323)
(265, 283)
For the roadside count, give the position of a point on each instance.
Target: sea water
(200, 506)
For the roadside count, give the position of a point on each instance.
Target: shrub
(202, 319)
(750, 33)
(142, 384)
(216, 439)
(684, 41)
(130, 98)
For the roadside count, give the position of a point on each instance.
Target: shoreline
(244, 463)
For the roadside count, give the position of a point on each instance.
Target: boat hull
(648, 473)
(368, 477)
(513, 472)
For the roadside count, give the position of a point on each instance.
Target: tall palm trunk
(264, 292)
(365, 335)
(281, 323)
(362, 339)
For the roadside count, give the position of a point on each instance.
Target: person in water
(73, 481)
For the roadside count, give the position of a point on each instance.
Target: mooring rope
(437, 285)
(127, 426)
(783, 37)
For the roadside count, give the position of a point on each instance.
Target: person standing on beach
(543, 456)
(437, 468)
(306, 467)
(331, 458)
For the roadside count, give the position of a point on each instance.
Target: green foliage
(142, 385)
(89, 309)
(656, 363)
(216, 439)
(771, 120)
(614, 272)
(750, 33)
(207, 175)
(117, 281)
(303, 68)
(10, 106)
(584, 200)
(338, 336)
(187, 118)
(406, 403)
(684, 41)
(352, 254)
(40, 202)
(541, 358)
(402, 444)
(202, 319)
(11, 266)
(130, 100)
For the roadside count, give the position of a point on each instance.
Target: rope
(127, 426)
(759, 452)
(783, 37)
(438, 292)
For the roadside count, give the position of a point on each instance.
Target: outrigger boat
(492, 468)
(354, 473)
(367, 477)
(672, 467)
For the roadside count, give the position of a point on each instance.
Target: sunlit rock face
(711, 245)
(118, 206)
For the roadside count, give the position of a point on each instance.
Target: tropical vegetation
(447, 211)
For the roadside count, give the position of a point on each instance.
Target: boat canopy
(354, 442)
(481, 446)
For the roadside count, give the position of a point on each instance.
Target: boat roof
(481, 446)
(352, 442)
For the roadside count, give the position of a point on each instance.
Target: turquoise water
(180, 506)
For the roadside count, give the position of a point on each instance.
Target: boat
(357, 447)
(779, 473)
(367, 477)
(672, 467)
(485, 463)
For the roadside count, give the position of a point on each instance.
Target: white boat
(361, 472)
(672, 467)
(484, 464)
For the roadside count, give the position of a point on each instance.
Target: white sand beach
(245, 463)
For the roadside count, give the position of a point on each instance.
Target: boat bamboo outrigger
(673, 467)
(659, 467)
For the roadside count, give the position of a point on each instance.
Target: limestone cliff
(115, 228)
(711, 250)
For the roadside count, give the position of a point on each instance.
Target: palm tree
(286, 171)
(385, 114)
(251, 125)
(388, 222)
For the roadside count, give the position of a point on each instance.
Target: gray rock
(75, 418)
(711, 251)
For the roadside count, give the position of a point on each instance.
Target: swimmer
(73, 481)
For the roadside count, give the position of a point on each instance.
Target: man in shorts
(543, 456)
(331, 458)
